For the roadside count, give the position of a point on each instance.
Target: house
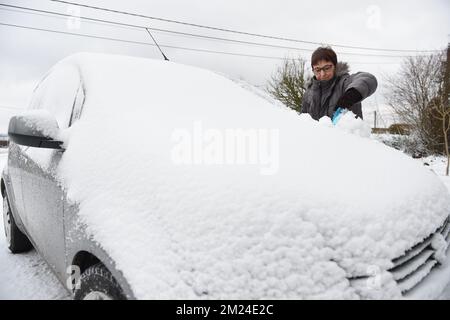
(4, 140)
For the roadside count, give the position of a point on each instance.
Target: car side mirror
(36, 128)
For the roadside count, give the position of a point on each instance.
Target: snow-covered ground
(26, 276)
(438, 165)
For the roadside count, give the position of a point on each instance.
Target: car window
(58, 93)
(78, 104)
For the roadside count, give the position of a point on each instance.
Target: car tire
(97, 283)
(17, 241)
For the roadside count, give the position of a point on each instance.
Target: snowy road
(26, 276)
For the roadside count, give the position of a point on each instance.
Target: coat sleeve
(305, 104)
(364, 82)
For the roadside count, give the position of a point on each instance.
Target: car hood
(147, 164)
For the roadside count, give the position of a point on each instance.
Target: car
(137, 178)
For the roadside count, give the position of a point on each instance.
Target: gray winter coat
(321, 97)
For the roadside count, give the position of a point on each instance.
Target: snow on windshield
(161, 189)
(56, 93)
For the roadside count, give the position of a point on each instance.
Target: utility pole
(447, 80)
(375, 119)
(447, 77)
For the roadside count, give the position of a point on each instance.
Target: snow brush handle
(337, 115)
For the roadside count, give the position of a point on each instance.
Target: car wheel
(16, 240)
(97, 283)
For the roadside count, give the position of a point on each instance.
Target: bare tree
(441, 106)
(411, 94)
(442, 114)
(288, 84)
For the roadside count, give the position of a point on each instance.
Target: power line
(11, 108)
(148, 28)
(96, 20)
(235, 31)
(167, 46)
(51, 14)
(139, 42)
(163, 46)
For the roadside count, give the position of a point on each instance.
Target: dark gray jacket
(321, 97)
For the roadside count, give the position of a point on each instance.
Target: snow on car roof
(198, 188)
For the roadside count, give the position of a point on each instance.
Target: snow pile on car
(348, 123)
(39, 121)
(329, 206)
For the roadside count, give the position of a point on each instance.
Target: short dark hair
(324, 53)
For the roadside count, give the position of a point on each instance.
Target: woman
(331, 88)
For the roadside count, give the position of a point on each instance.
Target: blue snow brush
(338, 114)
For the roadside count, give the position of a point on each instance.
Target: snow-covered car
(154, 180)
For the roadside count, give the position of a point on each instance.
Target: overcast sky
(26, 55)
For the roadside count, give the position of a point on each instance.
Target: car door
(43, 195)
(16, 161)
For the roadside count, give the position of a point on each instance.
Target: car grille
(412, 267)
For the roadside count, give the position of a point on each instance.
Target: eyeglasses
(325, 69)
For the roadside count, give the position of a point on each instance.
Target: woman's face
(324, 70)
